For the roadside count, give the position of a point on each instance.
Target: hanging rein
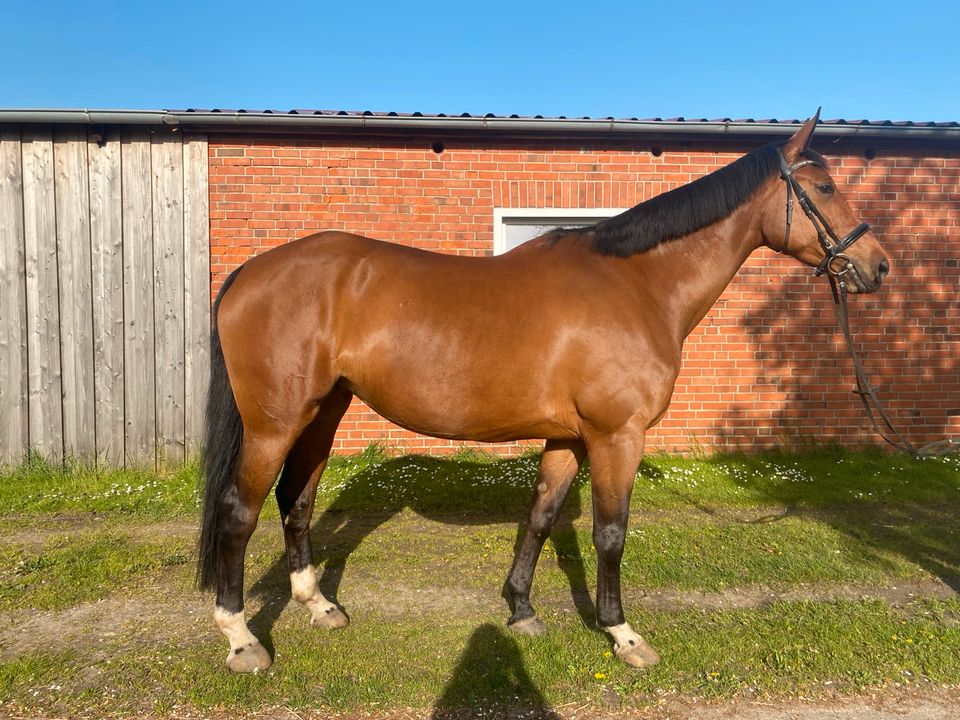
(833, 248)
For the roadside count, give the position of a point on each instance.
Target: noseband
(833, 246)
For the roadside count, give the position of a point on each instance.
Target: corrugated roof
(489, 116)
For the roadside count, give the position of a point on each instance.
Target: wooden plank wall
(104, 294)
(13, 300)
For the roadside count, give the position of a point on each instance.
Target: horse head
(824, 232)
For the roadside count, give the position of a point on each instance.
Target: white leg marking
(234, 626)
(246, 653)
(623, 634)
(305, 588)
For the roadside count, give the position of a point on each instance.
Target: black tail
(224, 435)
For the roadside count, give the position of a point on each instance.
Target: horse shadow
(447, 490)
(490, 675)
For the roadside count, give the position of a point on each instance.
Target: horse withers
(574, 337)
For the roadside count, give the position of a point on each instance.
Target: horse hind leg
(296, 493)
(240, 504)
(558, 468)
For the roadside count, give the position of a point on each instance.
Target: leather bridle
(833, 245)
(833, 249)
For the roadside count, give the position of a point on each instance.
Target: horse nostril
(882, 269)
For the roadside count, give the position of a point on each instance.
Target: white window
(514, 226)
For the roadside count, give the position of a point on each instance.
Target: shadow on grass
(447, 490)
(888, 502)
(889, 505)
(491, 680)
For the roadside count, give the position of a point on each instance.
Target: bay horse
(574, 337)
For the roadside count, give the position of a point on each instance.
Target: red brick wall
(766, 366)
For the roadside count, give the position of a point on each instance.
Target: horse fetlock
(304, 585)
(305, 589)
(246, 653)
(630, 648)
(516, 591)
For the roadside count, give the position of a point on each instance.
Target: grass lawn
(764, 576)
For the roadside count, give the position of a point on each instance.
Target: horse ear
(800, 141)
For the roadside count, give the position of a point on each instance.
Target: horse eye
(825, 189)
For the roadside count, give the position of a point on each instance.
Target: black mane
(687, 208)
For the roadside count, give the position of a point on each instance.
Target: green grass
(788, 648)
(676, 553)
(39, 488)
(477, 483)
(474, 482)
(811, 479)
(785, 650)
(83, 567)
(824, 518)
(680, 553)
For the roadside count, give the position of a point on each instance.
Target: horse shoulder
(627, 379)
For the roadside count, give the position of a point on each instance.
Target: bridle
(833, 249)
(833, 246)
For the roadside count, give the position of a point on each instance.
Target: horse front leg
(614, 460)
(558, 467)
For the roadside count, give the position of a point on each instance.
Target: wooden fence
(104, 294)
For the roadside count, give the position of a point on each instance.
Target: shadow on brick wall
(908, 333)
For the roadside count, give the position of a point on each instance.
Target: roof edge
(214, 121)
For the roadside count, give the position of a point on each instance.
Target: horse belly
(464, 405)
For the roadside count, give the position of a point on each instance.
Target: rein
(834, 248)
(868, 393)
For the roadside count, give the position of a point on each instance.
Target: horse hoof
(251, 658)
(637, 653)
(332, 619)
(528, 626)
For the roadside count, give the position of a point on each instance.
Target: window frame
(543, 216)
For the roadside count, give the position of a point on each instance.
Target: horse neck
(690, 273)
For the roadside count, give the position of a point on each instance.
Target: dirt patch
(755, 598)
(928, 703)
(409, 600)
(94, 626)
(36, 533)
(163, 616)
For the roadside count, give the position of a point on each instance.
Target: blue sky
(876, 60)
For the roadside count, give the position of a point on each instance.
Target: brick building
(767, 365)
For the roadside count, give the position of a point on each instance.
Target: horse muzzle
(861, 280)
